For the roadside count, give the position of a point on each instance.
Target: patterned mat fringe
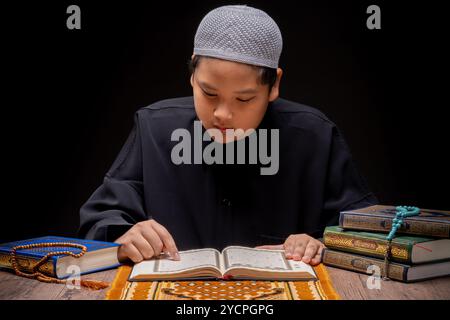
(122, 289)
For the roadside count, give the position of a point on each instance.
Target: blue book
(99, 256)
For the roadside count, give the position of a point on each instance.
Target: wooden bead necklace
(37, 274)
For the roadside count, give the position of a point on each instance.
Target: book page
(188, 260)
(255, 258)
(301, 266)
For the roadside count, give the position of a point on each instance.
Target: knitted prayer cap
(241, 34)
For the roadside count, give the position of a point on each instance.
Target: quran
(99, 256)
(234, 262)
(378, 218)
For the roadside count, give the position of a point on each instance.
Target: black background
(70, 95)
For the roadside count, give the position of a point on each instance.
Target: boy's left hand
(300, 247)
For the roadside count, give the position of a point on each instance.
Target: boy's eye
(209, 94)
(245, 100)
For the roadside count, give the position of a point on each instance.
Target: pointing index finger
(167, 240)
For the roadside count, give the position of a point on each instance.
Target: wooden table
(350, 286)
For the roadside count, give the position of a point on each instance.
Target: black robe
(218, 205)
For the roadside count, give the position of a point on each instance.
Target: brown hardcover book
(397, 271)
(431, 223)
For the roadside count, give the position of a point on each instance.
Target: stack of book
(420, 250)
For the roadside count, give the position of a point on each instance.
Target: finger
(131, 252)
(289, 246)
(316, 260)
(271, 247)
(153, 239)
(167, 240)
(143, 246)
(299, 249)
(310, 252)
(321, 247)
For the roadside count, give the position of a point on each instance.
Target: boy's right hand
(145, 240)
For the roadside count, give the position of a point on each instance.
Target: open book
(233, 262)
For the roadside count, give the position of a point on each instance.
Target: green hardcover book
(430, 223)
(405, 249)
(396, 271)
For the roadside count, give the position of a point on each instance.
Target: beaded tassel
(402, 212)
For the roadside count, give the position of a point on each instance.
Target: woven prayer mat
(321, 289)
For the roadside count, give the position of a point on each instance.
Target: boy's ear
(275, 91)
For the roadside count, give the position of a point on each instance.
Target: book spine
(367, 246)
(26, 264)
(383, 224)
(361, 264)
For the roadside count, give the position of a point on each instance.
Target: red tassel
(94, 284)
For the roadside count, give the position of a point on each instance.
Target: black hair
(267, 75)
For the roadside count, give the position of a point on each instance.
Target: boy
(152, 202)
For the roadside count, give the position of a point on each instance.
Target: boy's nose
(223, 113)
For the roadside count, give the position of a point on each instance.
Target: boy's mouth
(222, 129)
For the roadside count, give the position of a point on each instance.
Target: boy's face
(229, 95)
